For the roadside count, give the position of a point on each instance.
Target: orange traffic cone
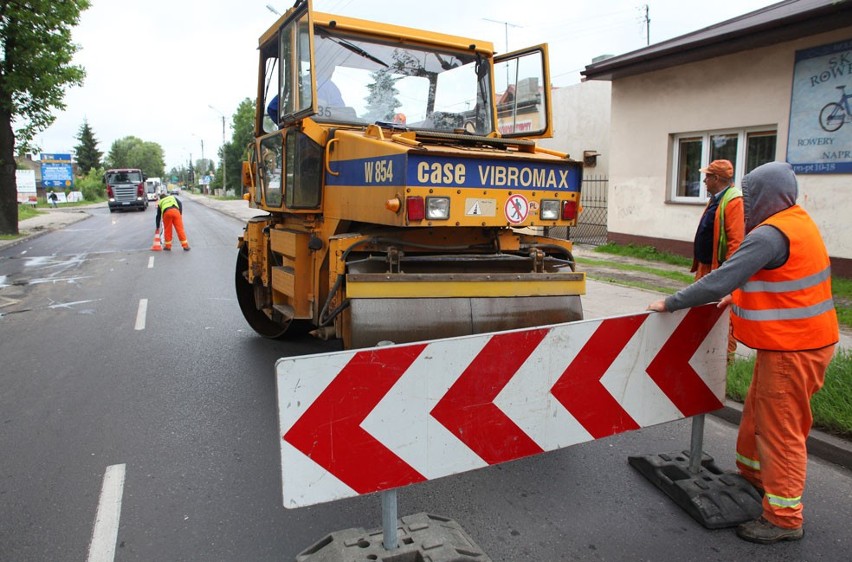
(157, 247)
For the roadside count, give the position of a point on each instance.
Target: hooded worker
(170, 209)
(780, 278)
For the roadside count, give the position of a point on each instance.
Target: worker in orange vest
(782, 306)
(170, 209)
(721, 228)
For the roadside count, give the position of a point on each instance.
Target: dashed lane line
(105, 532)
(141, 313)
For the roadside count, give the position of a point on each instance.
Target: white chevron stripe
(401, 420)
(627, 380)
(527, 400)
(710, 361)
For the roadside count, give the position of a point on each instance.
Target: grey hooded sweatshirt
(767, 190)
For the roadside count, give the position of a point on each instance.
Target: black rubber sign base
(712, 497)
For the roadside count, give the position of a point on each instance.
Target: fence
(591, 224)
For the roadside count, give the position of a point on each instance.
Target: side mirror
(248, 174)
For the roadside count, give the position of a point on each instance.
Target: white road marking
(71, 304)
(141, 314)
(151, 262)
(105, 533)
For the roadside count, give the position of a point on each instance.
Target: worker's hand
(725, 301)
(659, 306)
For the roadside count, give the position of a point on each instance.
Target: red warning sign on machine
(368, 420)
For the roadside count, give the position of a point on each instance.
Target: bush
(92, 185)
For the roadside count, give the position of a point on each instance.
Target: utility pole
(224, 161)
(647, 26)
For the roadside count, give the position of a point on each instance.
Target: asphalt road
(115, 356)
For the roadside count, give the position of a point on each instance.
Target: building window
(745, 148)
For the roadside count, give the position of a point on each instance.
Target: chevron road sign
(367, 420)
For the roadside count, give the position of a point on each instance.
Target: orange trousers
(173, 218)
(771, 451)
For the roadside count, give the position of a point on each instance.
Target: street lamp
(224, 161)
(203, 166)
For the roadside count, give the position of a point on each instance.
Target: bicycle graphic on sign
(835, 114)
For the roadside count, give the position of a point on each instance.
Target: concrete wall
(750, 88)
(581, 115)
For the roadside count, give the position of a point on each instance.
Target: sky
(167, 71)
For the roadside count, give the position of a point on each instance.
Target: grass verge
(644, 253)
(841, 287)
(831, 406)
(27, 212)
(665, 273)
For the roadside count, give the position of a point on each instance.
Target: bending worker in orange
(171, 211)
(782, 307)
(722, 226)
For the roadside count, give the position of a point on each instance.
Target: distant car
(174, 191)
(153, 186)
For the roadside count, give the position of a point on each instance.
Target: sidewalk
(603, 298)
(48, 221)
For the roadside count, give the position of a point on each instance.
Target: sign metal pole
(389, 517)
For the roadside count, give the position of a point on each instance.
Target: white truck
(153, 187)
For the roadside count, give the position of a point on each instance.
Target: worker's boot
(762, 531)
(167, 248)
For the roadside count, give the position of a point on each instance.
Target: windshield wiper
(355, 49)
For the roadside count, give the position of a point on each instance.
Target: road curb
(820, 444)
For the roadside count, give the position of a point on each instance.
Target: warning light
(393, 205)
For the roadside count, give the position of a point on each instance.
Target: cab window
(270, 169)
(304, 171)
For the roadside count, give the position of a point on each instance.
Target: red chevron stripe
(671, 370)
(329, 432)
(579, 388)
(467, 410)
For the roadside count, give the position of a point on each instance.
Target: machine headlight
(437, 208)
(550, 209)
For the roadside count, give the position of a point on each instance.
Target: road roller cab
(404, 200)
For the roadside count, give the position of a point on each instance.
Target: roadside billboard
(57, 175)
(25, 180)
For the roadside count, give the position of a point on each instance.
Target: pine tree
(382, 101)
(88, 155)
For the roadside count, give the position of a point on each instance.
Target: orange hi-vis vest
(789, 308)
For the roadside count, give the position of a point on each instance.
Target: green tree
(133, 152)
(242, 123)
(88, 155)
(35, 67)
